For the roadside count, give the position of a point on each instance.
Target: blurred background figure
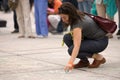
(74, 2)
(53, 17)
(16, 28)
(85, 5)
(106, 9)
(5, 5)
(41, 17)
(118, 6)
(0, 5)
(23, 18)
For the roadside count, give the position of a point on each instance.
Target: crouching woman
(86, 39)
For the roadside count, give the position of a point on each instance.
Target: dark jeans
(88, 47)
(5, 5)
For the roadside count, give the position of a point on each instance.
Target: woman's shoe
(82, 64)
(97, 63)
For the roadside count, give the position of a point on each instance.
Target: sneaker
(118, 33)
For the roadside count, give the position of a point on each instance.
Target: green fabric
(93, 9)
(111, 8)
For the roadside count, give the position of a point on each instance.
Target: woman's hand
(68, 67)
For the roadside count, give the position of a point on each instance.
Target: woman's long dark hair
(70, 10)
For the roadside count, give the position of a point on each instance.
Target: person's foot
(109, 35)
(41, 36)
(31, 37)
(15, 31)
(97, 63)
(118, 33)
(56, 33)
(82, 64)
(21, 36)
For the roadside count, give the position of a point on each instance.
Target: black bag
(3, 23)
(107, 25)
(13, 4)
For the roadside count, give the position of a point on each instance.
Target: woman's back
(89, 28)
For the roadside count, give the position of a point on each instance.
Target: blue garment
(41, 17)
(85, 6)
(95, 46)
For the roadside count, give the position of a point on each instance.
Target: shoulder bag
(107, 25)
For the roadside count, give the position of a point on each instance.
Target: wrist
(70, 63)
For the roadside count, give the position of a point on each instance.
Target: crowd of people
(47, 18)
(56, 15)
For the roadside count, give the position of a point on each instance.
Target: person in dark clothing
(16, 28)
(74, 2)
(5, 5)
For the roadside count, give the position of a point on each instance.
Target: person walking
(41, 17)
(86, 39)
(23, 18)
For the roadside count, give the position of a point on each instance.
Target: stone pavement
(44, 59)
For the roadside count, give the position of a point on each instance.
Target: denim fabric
(85, 6)
(88, 47)
(41, 17)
